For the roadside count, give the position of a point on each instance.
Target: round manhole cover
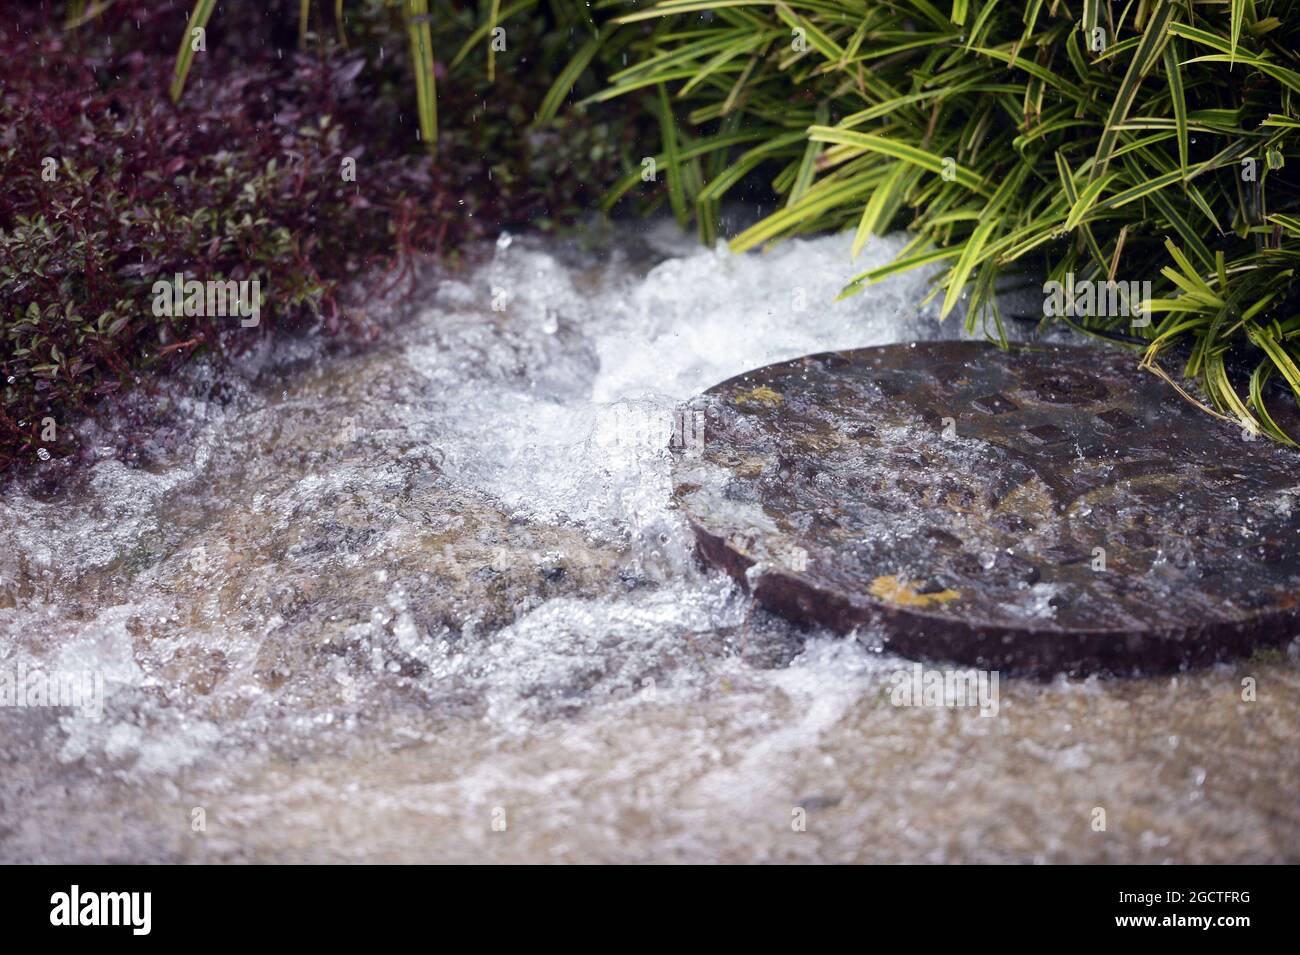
(1043, 509)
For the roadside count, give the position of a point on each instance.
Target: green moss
(1267, 656)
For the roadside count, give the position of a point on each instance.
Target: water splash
(353, 602)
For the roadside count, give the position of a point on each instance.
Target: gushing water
(428, 600)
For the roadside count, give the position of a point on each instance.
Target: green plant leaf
(185, 56)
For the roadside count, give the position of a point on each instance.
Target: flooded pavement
(431, 601)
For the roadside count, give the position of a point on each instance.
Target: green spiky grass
(1105, 140)
(1100, 139)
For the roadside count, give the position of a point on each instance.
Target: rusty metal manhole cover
(1041, 510)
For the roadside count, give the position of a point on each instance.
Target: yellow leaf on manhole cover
(893, 589)
(762, 396)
